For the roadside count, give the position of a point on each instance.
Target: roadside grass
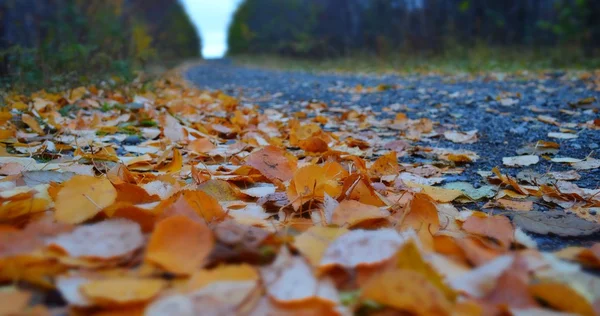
(480, 59)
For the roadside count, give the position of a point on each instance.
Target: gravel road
(508, 112)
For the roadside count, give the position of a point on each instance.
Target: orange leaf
(241, 272)
(310, 183)
(273, 163)
(144, 217)
(174, 165)
(498, 227)
(201, 145)
(179, 245)
(385, 165)
(410, 258)
(200, 203)
(122, 290)
(352, 213)
(82, 197)
(313, 145)
(562, 298)
(358, 187)
(134, 194)
(407, 290)
(421, 214)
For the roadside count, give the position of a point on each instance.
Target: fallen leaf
(407, 291)
(200, 203)
(587, 164)
(122, 290)
(273, 163)
(469, 137)
(562, 135)
(32, 123)
(562, 298)
(179, 245)
(362, 248)
(105, 240)
(527, 160)
(410, 258)
(439, 194)
(385, 165)
(350, 213)
(289, 279)
(485, 191)
(555, 222)
(222, 273)
(313, 242)
(495, 226)
(171, 128)
(82, 197)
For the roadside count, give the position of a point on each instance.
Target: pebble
(132, 140)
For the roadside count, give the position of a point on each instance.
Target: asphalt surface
(504, 110)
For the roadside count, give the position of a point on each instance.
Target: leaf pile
(176, 201)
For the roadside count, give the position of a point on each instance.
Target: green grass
(480, 59)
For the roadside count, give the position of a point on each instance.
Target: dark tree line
(43, 39)
(338, 27)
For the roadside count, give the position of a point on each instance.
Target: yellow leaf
(32, 123)
(562, 297)
(82, 197)
(122, 290)
(241, 272)
(438, 194)
(408, 291)
(313, 242)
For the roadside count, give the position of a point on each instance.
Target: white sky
(212, 18)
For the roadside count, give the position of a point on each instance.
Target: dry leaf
(313, 242)
(350, 213)
(104, 240)
(121, 290)
(82, 197)
(362, 248)
(526, 160)
(289, 279)
(407, 291)
(469, 137)
(562, 297)
(179, 245)
(273, 163)
(496, 226)
(555, 222)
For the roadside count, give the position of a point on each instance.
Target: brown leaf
(273, 163)
(496, 226)
(555, 222)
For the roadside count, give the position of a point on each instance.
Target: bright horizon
(211, 18)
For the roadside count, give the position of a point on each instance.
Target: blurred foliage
(429, 28)
(56, 42)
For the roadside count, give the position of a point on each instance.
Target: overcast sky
(212, 18)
